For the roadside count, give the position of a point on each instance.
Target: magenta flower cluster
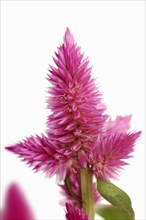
(73, 213)
(79, 134)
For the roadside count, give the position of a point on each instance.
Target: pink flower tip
(68, 38)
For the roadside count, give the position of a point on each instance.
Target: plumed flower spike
(76, 115)
(38, 152)
(73, 213)
(110, 152)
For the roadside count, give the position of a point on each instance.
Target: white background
(112, 34)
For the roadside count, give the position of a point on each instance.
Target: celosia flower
(78, 134)
(109, 153)
(16, 207)
(112, 147)
(71, 190)
(77, 115)
(73, 213)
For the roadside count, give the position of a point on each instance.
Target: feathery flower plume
(112, 147)
(109, 153)
(77, 115)
(73, 213)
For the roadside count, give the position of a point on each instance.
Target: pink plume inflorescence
(79, 133)
(73, 213)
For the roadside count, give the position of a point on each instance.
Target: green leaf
(109, 212)
(116, 196)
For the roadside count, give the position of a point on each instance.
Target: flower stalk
(87, 192)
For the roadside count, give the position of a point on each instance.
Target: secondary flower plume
(81, 141)
(73, 213)
(107, 157)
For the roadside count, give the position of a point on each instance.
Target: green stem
(87, 192)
